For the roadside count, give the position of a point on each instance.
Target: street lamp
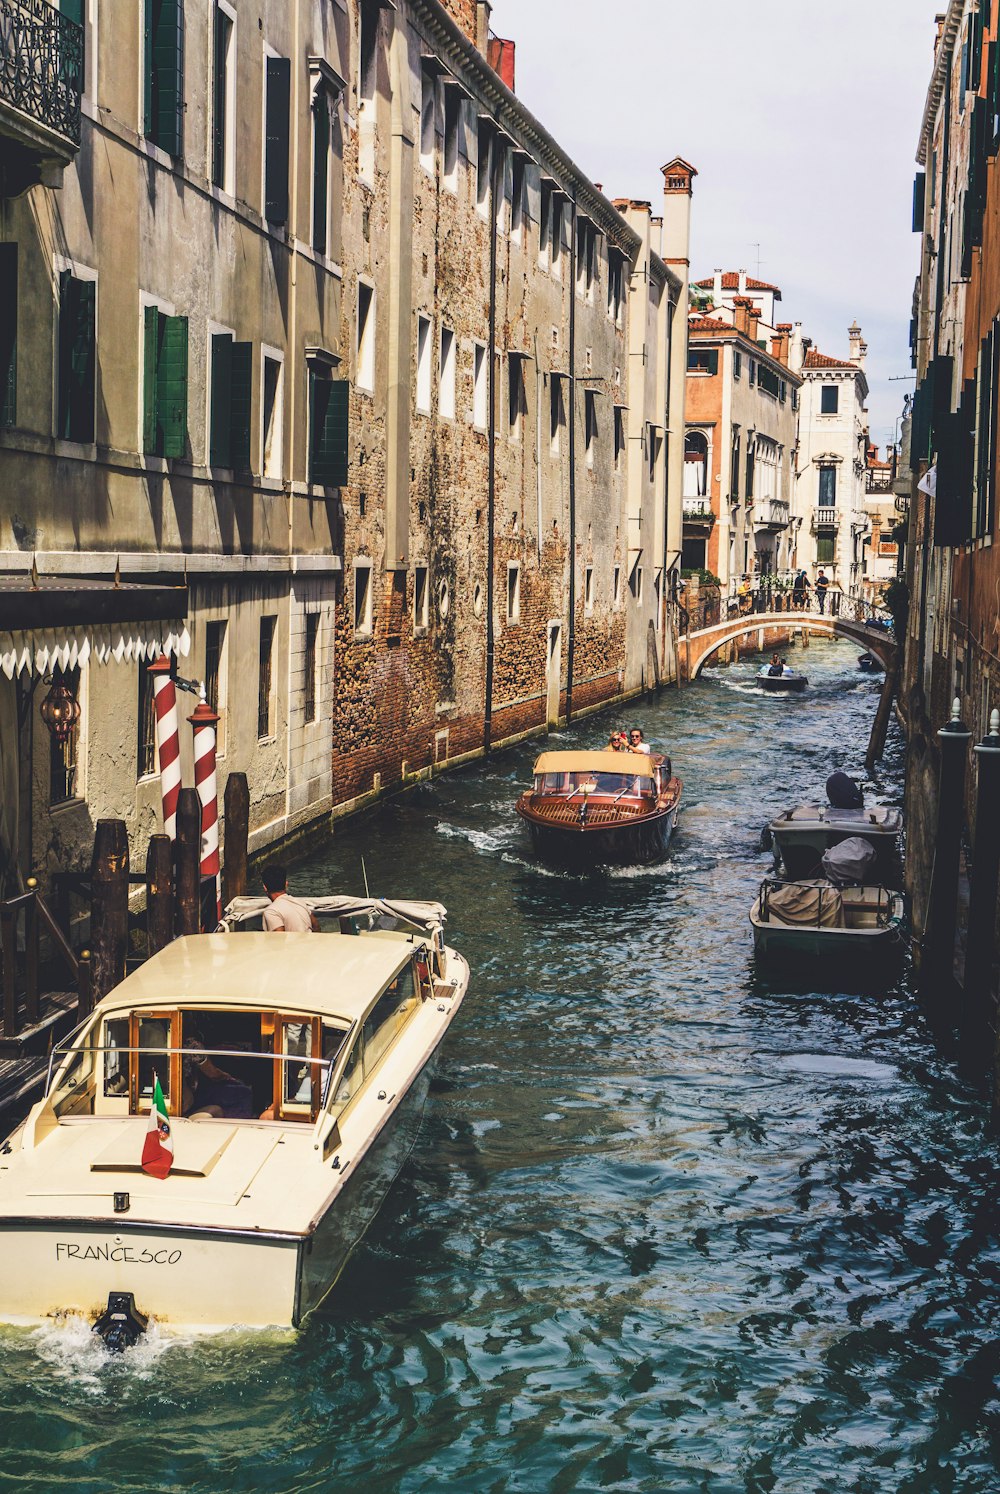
(60, 710)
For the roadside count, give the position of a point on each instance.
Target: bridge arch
(697, 648)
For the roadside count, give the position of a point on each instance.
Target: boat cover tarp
(843, 792)
(806, 905)
(637, 763)
(425, 916)
(850, 861)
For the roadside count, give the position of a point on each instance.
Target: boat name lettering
(127, 1253)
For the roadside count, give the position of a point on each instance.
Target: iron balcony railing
(41, 65)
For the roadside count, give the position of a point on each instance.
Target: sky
(802, 119)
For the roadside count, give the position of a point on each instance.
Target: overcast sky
(801, 118)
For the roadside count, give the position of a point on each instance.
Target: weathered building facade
(304, 318)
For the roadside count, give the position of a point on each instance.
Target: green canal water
(669, 1225)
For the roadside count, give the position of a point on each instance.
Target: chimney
(483, 12)
(500, 56)
(858, 345)
(741, 315)
(717, 288)
(779, 343)
(678, 178)
(743, 282)
(796, 349)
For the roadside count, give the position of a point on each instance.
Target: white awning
(39, 650)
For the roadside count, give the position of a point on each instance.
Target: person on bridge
(822, 587)
(800, 592)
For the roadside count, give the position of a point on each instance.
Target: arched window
(695, 464)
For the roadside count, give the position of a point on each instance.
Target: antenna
(759, 260)
(365, 875)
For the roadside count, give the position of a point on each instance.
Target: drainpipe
(491, 467)
(571, 646)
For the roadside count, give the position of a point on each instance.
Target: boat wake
(484, 841)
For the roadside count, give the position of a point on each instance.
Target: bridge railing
(780, 595)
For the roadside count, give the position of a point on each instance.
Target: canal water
(669, 1225)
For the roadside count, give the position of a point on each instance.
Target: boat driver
(210, 1092)
(286, 915)
(776, 667)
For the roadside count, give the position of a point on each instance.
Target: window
(64, 756)
(428, 118)
(734, 465)
(751, 371)
(655, 442)
(453, 105)
(77, 357)
(163, 75)
(737, 364)
(215, 678)
(590, 424)
(223, 99)
(363, 598)
(588, 589)
(310, 655)
(271, 412)
(370, 13)
(556, 215)
(230, 385)
(827, 486)
(751, 452)
(635, 583)
(517, 198)
(480, 387)
(513, 592)
(366, 337)
(829, 399)
(387, 1017)
(265, 677)
(446, 375)
(504, 186)
(484, 158)
(321, 146)
(517, 403)
(619, 437)
(329, 413)
(616, 585)
(586, 260)
(145, 756)
(616, 285)
(825, 547)
(557, 411)
(424, 365)
(544, 224)
(703, 360)
(421, 600)
(8, 335)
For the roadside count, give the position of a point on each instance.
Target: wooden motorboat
(818, 918)
(294, 1069)
(601, 808)
(786, 683)
(869, 663)
(801, 835)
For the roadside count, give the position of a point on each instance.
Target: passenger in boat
(775, 668)
(635, 742)
(615, 741)
(786, 668)
(210, 1091)
(286, 915)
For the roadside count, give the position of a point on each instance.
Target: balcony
(771, 513)
(826, 516)
(698, 515)
(41, 80)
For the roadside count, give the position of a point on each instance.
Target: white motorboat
(787, 682)
(818, 918)
(801, 835)
(294, 1068)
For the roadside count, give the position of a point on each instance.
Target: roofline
(513, 116)
(734, 333)
(949, 31)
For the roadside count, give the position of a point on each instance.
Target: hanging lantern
(60, 710)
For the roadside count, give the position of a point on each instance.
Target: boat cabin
(616, 775)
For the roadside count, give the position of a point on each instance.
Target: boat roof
(636, 763)
(331, 974)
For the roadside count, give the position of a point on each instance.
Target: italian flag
(158, 1148)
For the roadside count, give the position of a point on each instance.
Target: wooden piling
(980, 946)
(187, 863)
(880, 726)
(237, 837)
(109, 906)
(159, 893)
(938, 957)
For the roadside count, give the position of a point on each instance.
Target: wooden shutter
(242, 398)
(8, 334)
(150, 360)
(713, 360)
(919, 189)
(77, 308)
(219, 99)
(172, 386)
(279, 82)
(168, 64)
(329, 404)
(533, 191)
(220, 450)
(467, 130)
(321, 171)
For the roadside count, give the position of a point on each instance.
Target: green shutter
(147, 68)
(8, 334)
(77, 322)
(220, 443)
(713, 360)
(321, 166)
(329, 404)
(219, 99)
(168, 66)
(242, 396)
(150, 359)
(171, 386)
(279, 83)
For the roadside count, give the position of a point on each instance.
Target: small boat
(818, 918)
(786, 683)
(869, 664)
(294, 1072)
(601, 808)
(801, 835)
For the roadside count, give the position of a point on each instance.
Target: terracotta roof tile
(820, 360)
(708, 324)
(731, 282)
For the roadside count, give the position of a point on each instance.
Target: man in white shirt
(635, 742)
(286, 915)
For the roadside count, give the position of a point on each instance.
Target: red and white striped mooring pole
(204, 721)
(168, 741)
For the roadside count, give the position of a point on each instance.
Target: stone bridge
(694, 649)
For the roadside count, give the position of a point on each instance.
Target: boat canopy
(636, 764)
(427, 917)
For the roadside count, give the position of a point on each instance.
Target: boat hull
(782, 684)
(637, 842)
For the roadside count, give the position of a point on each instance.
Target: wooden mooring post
(880, 726)
(237, 838)
(938, 958)
(187, 863)
(980, 943)
(159, 893)
(109, 906)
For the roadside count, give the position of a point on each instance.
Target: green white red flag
(158, 1148)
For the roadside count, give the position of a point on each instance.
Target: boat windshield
(580, 785)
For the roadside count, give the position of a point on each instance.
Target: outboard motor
(843, 792)
(121, 1323)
